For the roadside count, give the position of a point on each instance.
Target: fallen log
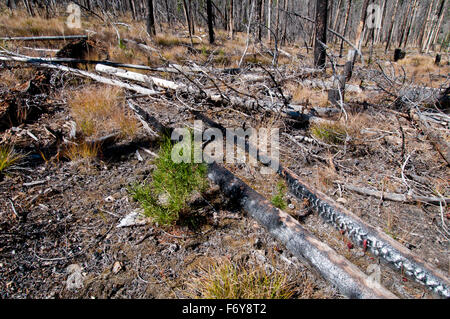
(45, 38)
(402, 198)
(441, 146)
(349, 280)
(98, 78)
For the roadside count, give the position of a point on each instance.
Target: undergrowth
(329, 133)
(278, 199)
(171, 186)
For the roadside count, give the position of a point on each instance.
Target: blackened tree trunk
(321, 33)
(210, 21)
(150, 19)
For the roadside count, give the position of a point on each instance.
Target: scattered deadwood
(332, 266)
(98, 78)
(441, 146)
(361, 233)
(351, 281)
(403, 198)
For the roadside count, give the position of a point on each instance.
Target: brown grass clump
(82, 151)
(420, 67)
(307, 96)
(100, 110)
(230, 281)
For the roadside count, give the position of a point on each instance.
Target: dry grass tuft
(334, 134)
(82, 152)
(8, 157)
(225, 280)
(100, 110)
(307, 96)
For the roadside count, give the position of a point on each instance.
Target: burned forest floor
(76, 149)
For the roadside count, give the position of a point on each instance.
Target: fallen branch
(44, 38)
(403, 198)
(98, 78)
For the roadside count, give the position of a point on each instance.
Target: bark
(347, 14)
(231, 26)
(362, 24)
(210, 21)
(150, 19)
(321, 33)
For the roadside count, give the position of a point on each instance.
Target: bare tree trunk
(283, 39)
(425, 26)
(362, 24)
(277, 18)
(188, 19)
(404, 24)
(336, 16)
(210, 21)
(169, 20)
(231, 27)
(411, 24)
(347, 14)
(321, 33)
(132, 9)
(391, 27)
(269, 12)
(150, 19)
(438, 26)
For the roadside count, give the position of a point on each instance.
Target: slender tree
(321, 33)
(210, 21)
(391, 27)
(150, 19)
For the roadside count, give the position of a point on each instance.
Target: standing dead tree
(321, 33)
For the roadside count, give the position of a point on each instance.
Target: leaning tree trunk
(321, 33)
(150, 19)
(210, 21)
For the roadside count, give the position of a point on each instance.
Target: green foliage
(8, 157)
(171, 186)
(328, 133)
(278, 198)
(228, 281)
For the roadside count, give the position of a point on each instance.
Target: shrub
(171, 186)
(278, 198)
(329, 133)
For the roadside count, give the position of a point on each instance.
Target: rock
(75, 279)
(135, 218)
(117, 267)
(109, 199)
